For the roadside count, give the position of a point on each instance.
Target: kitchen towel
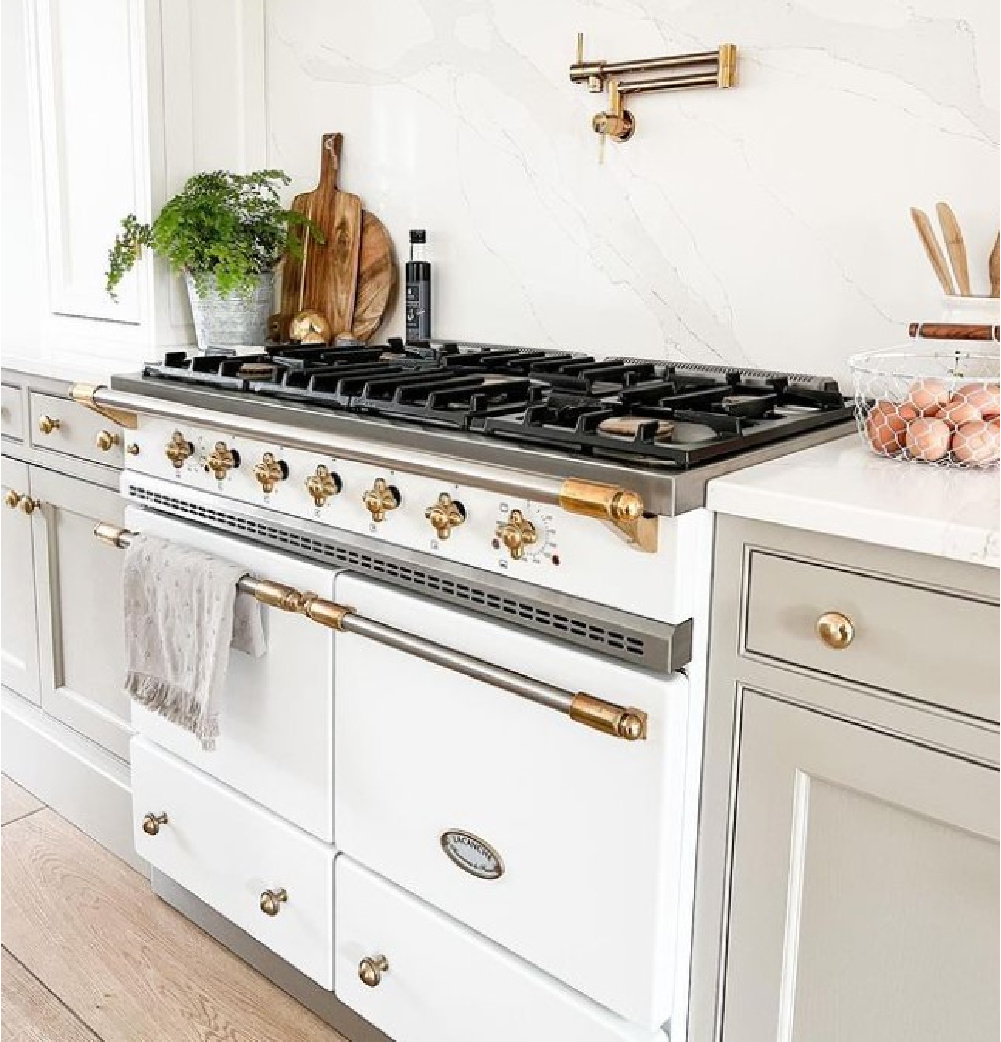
(183, 612)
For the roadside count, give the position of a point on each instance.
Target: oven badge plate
(472, 854)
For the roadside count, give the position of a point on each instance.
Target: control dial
(445, 515)
(381, 498)
(516, 533)
(178, 449)
(322, 484)
(270, 471)
(221, 460)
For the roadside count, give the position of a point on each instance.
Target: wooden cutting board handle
(330, 160)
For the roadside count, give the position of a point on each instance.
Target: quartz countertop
(86, 369)
(842, 489)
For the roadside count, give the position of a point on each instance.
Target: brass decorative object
(47, 425)
(222, 460)
(381, 498)
(152, 823)
(322, 484)
(178, 449)
(272, 901)
(107, 440)
(269, 472)
(837, 631)
(445, 515)
(516, 533)
(371, 969)
(676, 72)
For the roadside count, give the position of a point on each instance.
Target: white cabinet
(79, 608)
(18, 648)
(864, 887)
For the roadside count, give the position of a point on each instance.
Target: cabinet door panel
(19, 647)
(81, 628)
(864, 885)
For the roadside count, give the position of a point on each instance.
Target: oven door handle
(624, 722)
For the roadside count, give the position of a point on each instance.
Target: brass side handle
(46, 424)
(152, 823)
(836, 630)
(272, 901)
(371, 969)
(107, 440)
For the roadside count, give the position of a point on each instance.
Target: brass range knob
(12, 499)
(106, 440)
(371, 969)
(152, 823)
(221, 460)
(516, 533)
(47, 425)
(270, 471)
(178, 449)
(446, 514)
(837, 631)
(272, 901)
(381, 498)
(322, 484)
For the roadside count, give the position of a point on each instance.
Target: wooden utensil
(932, 249)
(376, 277)
(993, 267)
(955, 246)
(327, 279)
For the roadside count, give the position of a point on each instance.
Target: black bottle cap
(418, 235)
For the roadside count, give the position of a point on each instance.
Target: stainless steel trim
(626, 722)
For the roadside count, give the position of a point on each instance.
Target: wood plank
(29, 1012)
(125, 963)
(15, 802)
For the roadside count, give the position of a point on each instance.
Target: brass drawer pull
(371, 969)
(152, 823)
(272, 901)
(12, 499)
(837, 631)
(47, 425)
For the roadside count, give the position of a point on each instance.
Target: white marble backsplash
(766, 225)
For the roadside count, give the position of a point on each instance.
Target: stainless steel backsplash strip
(658, 646)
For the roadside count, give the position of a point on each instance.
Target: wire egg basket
(935, 407)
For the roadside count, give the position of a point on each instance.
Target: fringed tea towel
(183, 612)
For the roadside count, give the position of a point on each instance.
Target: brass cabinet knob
(222, 460)
(29, 505)
(47, 425)
(381, 498)
(152, 823)
(445, 515)
(322, 484)
(371, 969)
(272, 901)
(516, 533)
(132, 449)
(178, 449)
(107, 440)
(12, 499)
(270, 471)
(837, 631)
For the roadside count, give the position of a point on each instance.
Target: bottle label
(418, 308)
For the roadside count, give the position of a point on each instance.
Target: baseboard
(322, 1002)
(76, 778)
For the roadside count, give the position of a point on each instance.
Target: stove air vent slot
(641, 642)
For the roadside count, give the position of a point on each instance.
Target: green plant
(222, 229)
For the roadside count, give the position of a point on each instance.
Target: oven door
(276, 724)
(559, 842)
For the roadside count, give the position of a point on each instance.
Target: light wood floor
(90, 954)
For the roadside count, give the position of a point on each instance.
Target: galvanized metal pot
(232, 319)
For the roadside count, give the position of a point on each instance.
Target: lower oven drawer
(559, 842)
(230, 853)
(276, 724)
(443, 983)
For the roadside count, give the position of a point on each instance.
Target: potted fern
(225, 233)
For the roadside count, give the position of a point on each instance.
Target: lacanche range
(465, 775)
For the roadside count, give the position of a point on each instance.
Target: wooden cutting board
(327, 278)
(376, 277)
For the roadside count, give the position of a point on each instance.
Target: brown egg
(928, 438)
(985, 398)
(886, 426)
(959, 410)
(978, 442)
(928, 396)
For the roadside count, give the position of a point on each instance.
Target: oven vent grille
(635, 647)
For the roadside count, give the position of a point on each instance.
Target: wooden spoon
(933, 250)
(955, 245)
(993, 266)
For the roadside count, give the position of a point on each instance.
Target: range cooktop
(665, 415)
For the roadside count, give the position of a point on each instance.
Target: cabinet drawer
(444, 983)
(75, 430)
(228, 851)
(933, 646)
(11, 419)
